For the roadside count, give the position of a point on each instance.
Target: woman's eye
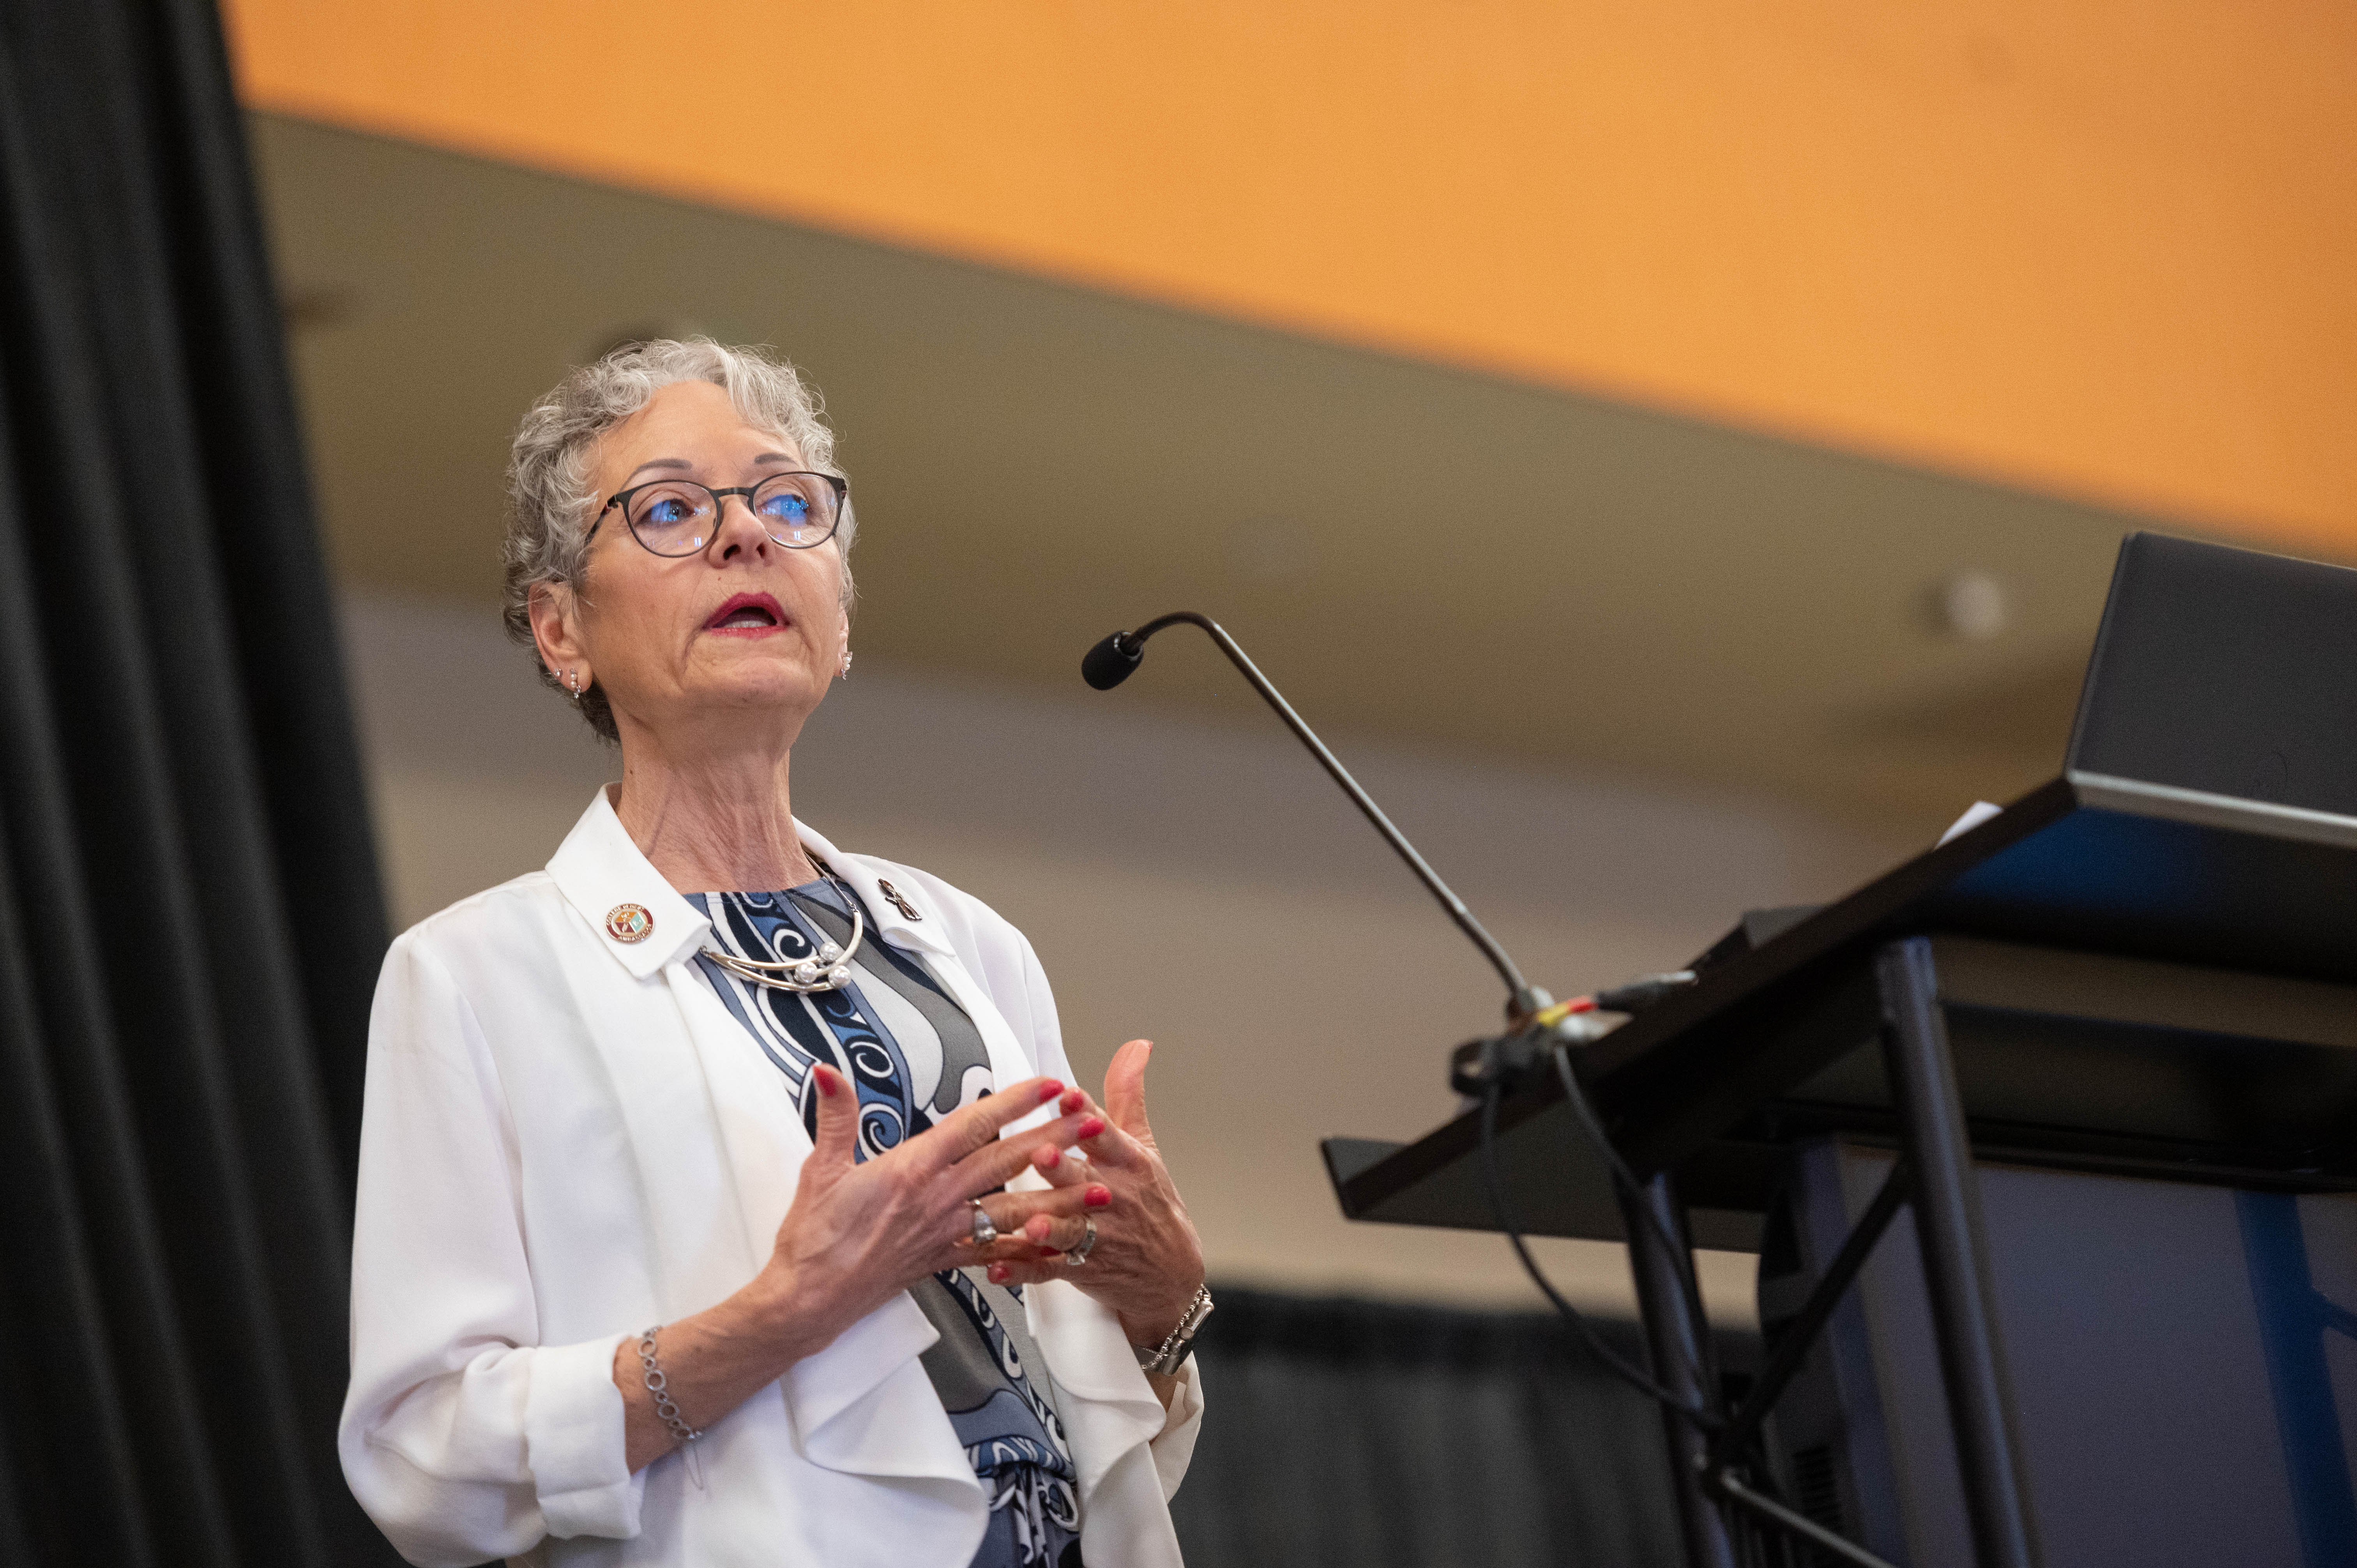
(787, 509)
(670, 509)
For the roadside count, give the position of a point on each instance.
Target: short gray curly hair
(550, 505)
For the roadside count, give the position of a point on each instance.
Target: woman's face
(744, 626)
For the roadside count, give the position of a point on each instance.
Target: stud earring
(573, 679)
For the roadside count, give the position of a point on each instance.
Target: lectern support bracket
(1679, 1350)
(1955, 1253)
(1933, 1175)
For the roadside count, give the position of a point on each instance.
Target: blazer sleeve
(462, 1437)
(1043, 1032)
(1174, 1449)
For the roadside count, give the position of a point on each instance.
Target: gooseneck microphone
(1536, 1026)
(1114, 660)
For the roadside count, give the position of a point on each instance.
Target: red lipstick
(750, 614)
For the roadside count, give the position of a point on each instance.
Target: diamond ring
(985, 1231)
(1080, 1254)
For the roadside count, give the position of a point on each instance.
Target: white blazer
(568, 1138)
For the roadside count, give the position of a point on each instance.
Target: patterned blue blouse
(913, 1056)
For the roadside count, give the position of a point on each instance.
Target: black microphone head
(1110, 663)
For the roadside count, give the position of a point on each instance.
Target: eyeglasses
(679, 517)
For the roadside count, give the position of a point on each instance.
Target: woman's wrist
(1153, 1324)
(711, 1362)
(774, 1311)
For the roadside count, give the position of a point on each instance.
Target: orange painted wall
(2103, 249)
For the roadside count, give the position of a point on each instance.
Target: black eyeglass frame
(841, 486)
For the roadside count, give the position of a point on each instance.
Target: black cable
(1755, 1505)
(1639, 994)
(1574, 1092)
(1618, 1365)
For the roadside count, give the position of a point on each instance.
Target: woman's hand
(856, 1234)
(860, 1232)
(1147, 1262)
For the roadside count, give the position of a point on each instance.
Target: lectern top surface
(2083, 865)
(2086, 864)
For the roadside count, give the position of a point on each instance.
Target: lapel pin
(907, 911)
(628, 923)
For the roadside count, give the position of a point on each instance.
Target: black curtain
(189, 915)
(1359, 1434)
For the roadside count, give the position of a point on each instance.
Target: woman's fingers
(1108, 1143)
(1125, 1091)
(1059, 1169)
(1046, 1219)
(994, 1166)
(1058, 1233)
(1113, 1148)
(960, 1134)
(1028, 1270)
(836, 1140)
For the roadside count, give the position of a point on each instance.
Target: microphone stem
(1525, 1000)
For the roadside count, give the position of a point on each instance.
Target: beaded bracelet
(658, 1386)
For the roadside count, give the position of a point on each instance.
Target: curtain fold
(189, 915)
(1381, 1435)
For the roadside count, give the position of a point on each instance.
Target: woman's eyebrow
(684, 463)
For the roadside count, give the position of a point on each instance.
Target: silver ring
(984, 1230)
(1080, 1254)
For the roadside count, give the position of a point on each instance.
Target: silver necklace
(827, 970)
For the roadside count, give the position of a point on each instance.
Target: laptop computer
(2227, 673)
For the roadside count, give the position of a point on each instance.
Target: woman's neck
(713, 823)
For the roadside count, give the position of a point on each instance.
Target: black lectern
(2125, 1007)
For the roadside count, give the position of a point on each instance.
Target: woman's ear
(555, 613)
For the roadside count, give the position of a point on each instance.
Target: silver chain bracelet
(1165, 1359)
(659, 1386)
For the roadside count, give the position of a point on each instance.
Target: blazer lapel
(1010, 1063)
(637, 917)
(688, 1173)
(713, 1127)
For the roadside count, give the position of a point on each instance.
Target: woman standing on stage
(723, 1198)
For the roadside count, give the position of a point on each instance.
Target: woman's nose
(738, 529)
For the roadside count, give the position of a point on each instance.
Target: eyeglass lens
(679, 517)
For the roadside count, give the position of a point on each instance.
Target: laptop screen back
(2228, 671)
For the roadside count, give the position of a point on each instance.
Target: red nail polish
(1049, 1090)
(1051, 1253)
(1074, 1100)
(1090, 1127)
(825, 1081)
(1049, 1158)
(1097, 1196)
(998, 1273)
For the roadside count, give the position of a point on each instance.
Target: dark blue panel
(2294, 1318)
(2109, 881)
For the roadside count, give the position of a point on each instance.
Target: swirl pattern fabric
(913, 1056)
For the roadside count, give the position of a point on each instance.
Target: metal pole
(1679, 1347)
(1955, 1255)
